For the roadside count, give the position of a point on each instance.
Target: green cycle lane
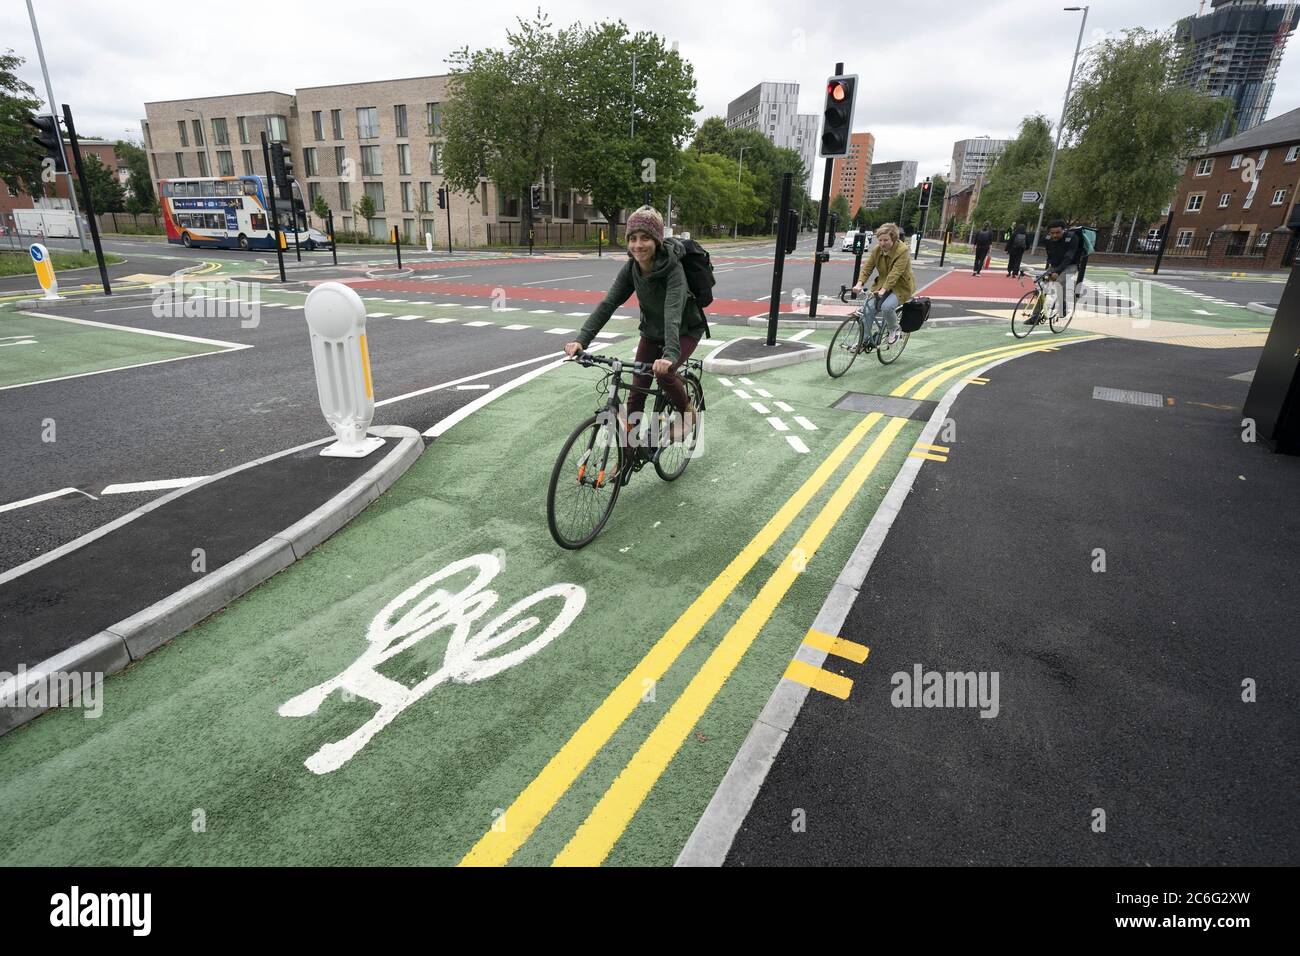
(230, 745)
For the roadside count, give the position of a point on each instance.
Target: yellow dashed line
(927, 456)
(834, 684)
(849, 650)
(922, 446)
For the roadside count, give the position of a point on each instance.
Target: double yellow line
(603, 827)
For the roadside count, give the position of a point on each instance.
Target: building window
(426, 227)
(1291, 154)
(408, 227)
(1262, 240)
(399, 119)
(185, 137)
(426, 197)
(1279, 197)
(310, 166)
(276, 129)
(220, 135)
(203, 164)
(376, 192)
(345, 197)
(1236, 161)
(313, 193)
(379, 228)
(1194, 202)
(370, 162)
(1184, 238)
(317, 126)
(1204, 166)
(403, 159)
(367, 122)
(242, 123)
(336, 123)
(198, 132)
(347, 223)
(435, 159)
(1223, 200)
(1263, 155)
(406, 197)
(433, 118)
(340, 160)
(248, 162)
(225, 163)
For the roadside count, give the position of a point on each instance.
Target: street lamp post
(1051, 165)
(203, 126)
(735, 229)
(54, 111)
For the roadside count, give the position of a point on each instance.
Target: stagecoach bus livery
(227, 212)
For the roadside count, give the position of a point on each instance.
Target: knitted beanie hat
(647, 220)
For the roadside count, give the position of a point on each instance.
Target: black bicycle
(853, 338)
(602, 455)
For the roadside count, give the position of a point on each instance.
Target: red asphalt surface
(990, 286)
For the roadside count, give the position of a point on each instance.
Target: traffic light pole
(275, 217)
(820, 255)
(778, 270)
(49, 95)
(447, 202)
(334, 246)
(85, 185)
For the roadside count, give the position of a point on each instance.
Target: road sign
(45, 270)
(1030, 195)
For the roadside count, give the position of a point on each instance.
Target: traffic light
(442, 197)
(536, 197)
(838, 115)
(281, 167)
(859, 242)
(47, 138)
(925, 194)
(791, 237)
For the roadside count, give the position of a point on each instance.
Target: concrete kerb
(1262, 309)
(717, 365)
(114, 648)
(714, 833)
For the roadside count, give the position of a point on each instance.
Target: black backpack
(698, 268)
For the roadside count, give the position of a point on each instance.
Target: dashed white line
(515, 328)
(796, 444)
(565, 279)
(559, 331)
(378, 315)
(801, 335)
(761, 409)
(741, 393)
(805, 424)
(441, 321)
(763, 393)
(406, 318)
(137, 486)
(725, 382)
(778, 424)
(784, 407)
(477, 325)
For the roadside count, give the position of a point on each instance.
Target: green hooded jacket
(668, 309)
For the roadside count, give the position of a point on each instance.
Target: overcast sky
(932, 72)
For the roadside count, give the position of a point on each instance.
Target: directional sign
(1030, 196)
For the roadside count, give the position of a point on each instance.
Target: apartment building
(973, 158)
(381, 139)
(889, 179)
(850, 174)
(772, 109)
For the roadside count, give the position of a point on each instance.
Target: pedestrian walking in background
(1016, 247)
(983, 241)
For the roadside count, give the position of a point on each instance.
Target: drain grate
(887, 405)
(1128, 396)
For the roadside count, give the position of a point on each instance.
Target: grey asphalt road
(1238, 291)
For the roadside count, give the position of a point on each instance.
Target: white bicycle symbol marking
(466, 660)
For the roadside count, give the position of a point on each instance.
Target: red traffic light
(835, 90)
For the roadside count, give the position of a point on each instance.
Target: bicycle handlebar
(588, 359)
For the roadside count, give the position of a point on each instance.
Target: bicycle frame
(632, 437)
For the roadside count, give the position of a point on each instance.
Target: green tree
(105, 191)
(364, 210)
(622, 141)
(510, 110)
(707, 195)
(713, 137)
(322, 209)
(1023, 166)
(140, 195)
(1132, 126)
(20, 158)
(840, 207)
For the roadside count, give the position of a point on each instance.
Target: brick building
(849, 174)
(11, 199)
(1241, 193)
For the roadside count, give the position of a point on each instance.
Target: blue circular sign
(36, 253)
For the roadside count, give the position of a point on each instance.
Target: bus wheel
(243, 242)
(185, 240)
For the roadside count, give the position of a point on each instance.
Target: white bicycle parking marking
(426, 608)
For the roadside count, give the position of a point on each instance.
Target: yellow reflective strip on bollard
(365, 365)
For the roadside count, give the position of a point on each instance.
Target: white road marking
(123, 308)
(378, 315)
(761, 409)
(778, 424)
(447, 305)
(476, 306)
(560, 331)
(565, 279)
(467, 378)
(406, 318)
(805, 424)
(763, 393)
(800, 336)
(136, 486)
(741, 393)
(541, 311)
(440, 321)
(1202, 312)
(127, 328)
(577, 315)
(725, 382)
(746, 381)
(467, 388)
(14, 505)
(477, 325)
(507, 308)
(607, 335)
(784, 407)
(796, 444)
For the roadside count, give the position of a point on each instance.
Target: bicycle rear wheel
(889, 353)
(671, 459)
(585, 482)
(1023, 317)
(845, 345)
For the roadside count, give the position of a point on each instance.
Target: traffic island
(752, 354)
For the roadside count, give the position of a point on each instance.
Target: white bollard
(336, 318)
(428, 242)
(45, 271)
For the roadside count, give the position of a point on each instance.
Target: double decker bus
(225, 212)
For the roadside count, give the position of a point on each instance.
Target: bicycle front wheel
(1025, 316)
(1061, 315)
(673, 456)
(845, 345)
(585, 482)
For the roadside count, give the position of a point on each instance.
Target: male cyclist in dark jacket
(1063, 256)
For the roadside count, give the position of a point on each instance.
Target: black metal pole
(293, 211)
(334, 245)
(944, 251)
(600, 235)
(1164, 238)
(821, 256)
(397, 241)
(530, 240)
(447, 202)
(857, 261)
(778, 269)
(920, 232)
(275, 216)
(85, 195)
